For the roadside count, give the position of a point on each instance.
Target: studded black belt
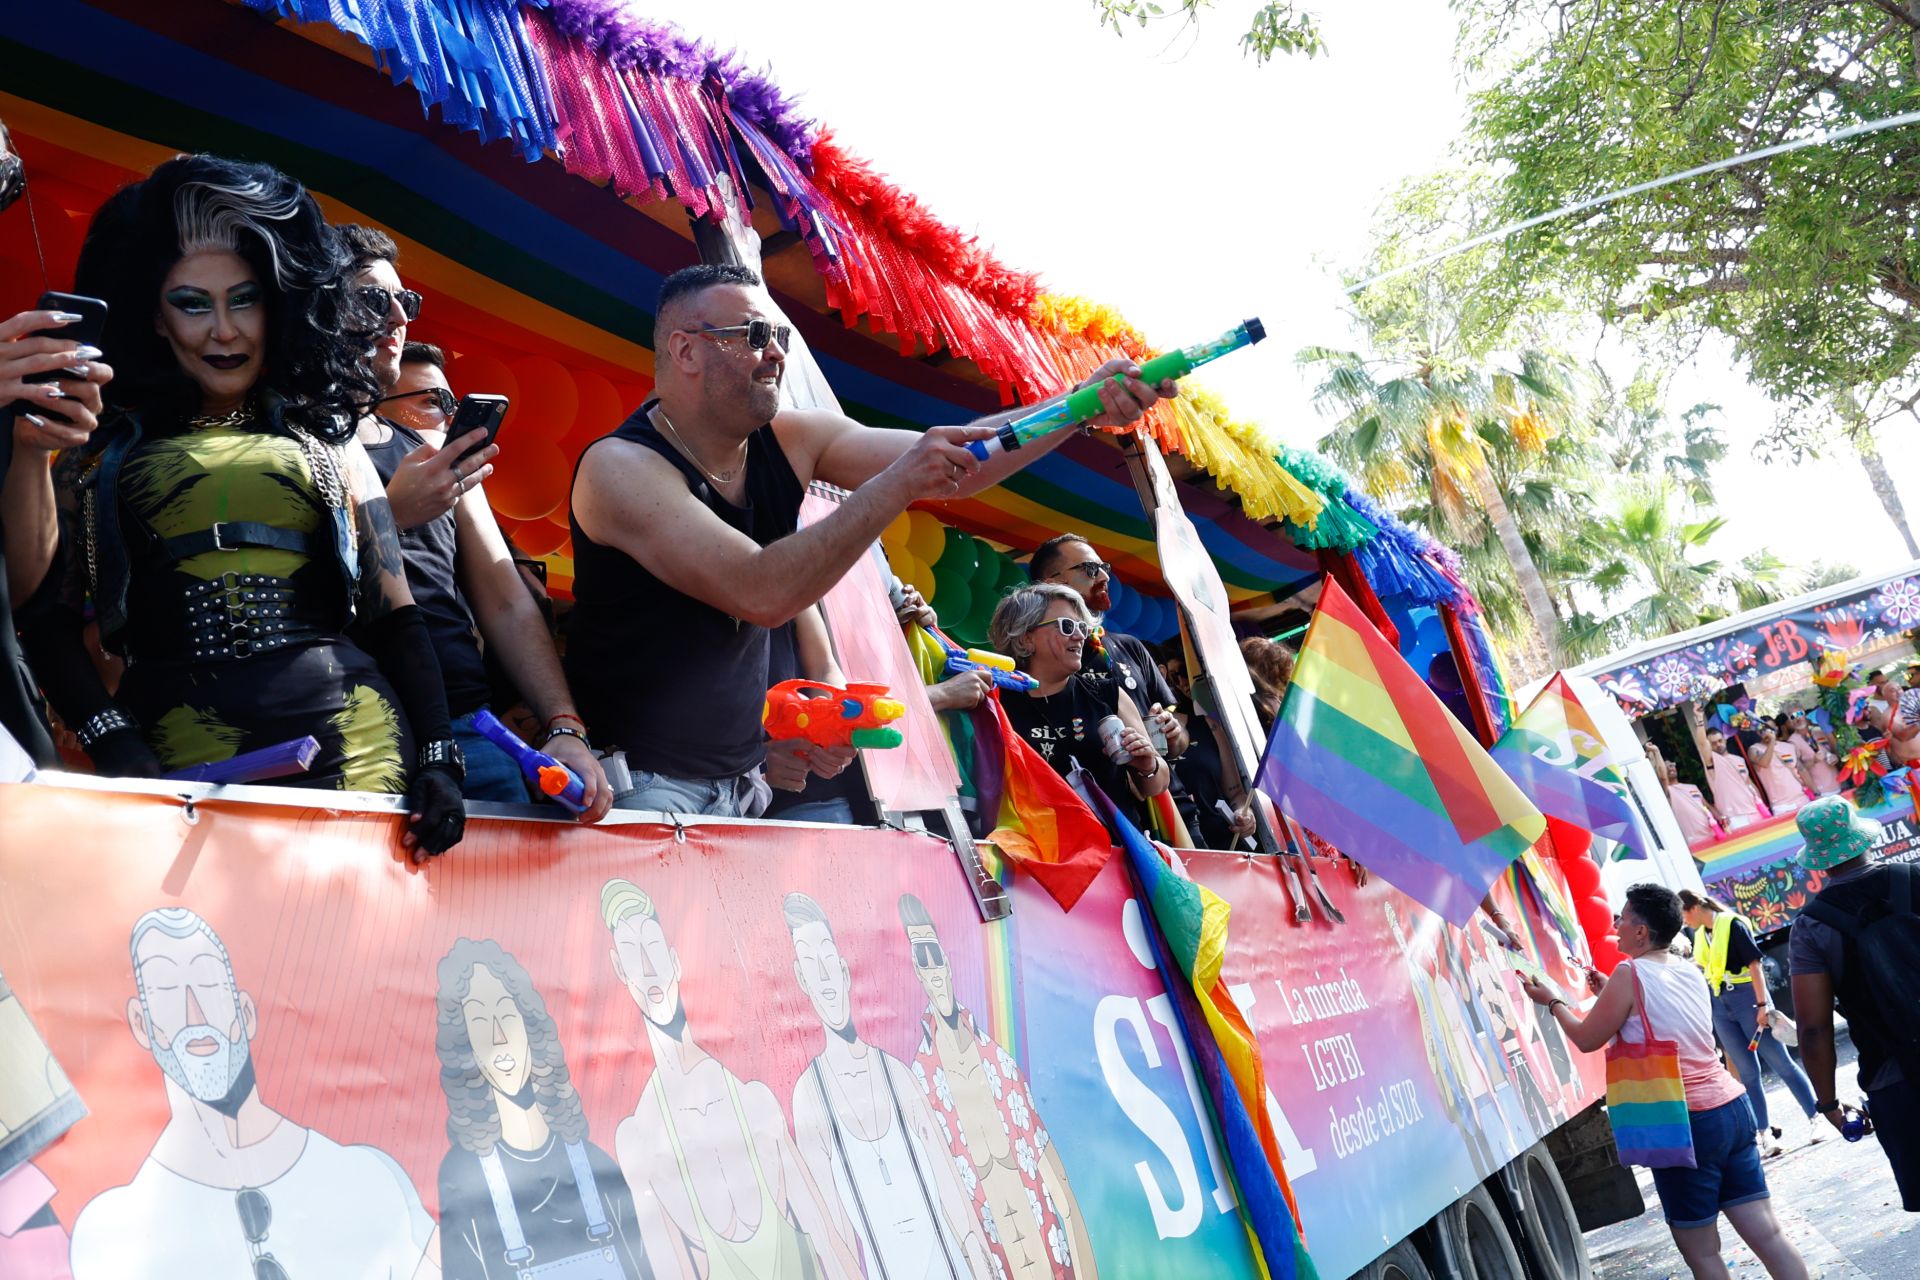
(242, 615)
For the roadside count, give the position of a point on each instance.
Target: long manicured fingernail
(66, 317)
(77, 370)
(88, 353)
(52, 392)
(35, 419)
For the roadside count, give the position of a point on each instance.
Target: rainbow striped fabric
(1188, 934)
(1554, 752)
(1365, 756)
(1646, 1100)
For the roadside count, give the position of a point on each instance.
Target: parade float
(1339, 1082)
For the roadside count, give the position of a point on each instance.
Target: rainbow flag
(1365, 756)
(1029, 813)
(1189, 937)
(1555, 753)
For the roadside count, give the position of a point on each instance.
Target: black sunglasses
(442, 398)
(380, 300)
(759, 333)
(256, 1216)
(928, 955)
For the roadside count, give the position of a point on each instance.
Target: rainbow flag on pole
(1365, 756)
(1188, 933)
(1555, 753)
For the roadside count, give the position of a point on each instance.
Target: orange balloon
(529, 477)
(601, 410)
(539, 537)
(551, 400)
(472, 371)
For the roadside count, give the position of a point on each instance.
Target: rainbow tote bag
(1646, 1101)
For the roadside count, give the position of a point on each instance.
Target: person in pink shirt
(1731, 782)
(1780, 771)
(1816, 748)
(1690, 810)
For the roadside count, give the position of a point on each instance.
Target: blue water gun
(547, 776)
(280, 761)
(1077, 407)
(1006, 676)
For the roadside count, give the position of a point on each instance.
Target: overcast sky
(1170, 177)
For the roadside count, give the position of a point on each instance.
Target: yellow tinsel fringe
(1234, 453)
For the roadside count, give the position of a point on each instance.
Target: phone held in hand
(86, 331)
(477, 412)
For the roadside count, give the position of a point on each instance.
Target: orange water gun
(856, 716)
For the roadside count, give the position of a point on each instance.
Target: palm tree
(1428, 430)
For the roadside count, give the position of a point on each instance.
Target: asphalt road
(1836, 1200)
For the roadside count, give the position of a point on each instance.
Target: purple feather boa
(627, 39)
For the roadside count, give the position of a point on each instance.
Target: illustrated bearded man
(522, 1186)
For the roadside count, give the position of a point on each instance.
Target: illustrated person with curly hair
(522, 1187)
(229, 531)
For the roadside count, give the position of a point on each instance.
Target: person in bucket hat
(1856, 943)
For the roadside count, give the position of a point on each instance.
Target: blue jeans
(835, 810)
(1733, 1018)
(492, 774)
(1726, 1168)
(743, 797)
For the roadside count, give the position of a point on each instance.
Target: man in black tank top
(458, 565)
(686, 540)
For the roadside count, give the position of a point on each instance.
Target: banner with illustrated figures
(753, 1051)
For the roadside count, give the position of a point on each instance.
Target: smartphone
(474, 413)
(88, 330)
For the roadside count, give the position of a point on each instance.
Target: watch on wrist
(444, 753)
(1822, 1108)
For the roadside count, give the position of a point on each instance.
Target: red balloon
(551, 402)
(529, 478)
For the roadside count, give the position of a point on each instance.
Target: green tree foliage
(1808, 261)
(1278, 27)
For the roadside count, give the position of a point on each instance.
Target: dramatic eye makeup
(243, 295)
(190, 301)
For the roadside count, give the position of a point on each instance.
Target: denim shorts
(1726, 1168)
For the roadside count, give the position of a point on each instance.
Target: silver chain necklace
(722, 477)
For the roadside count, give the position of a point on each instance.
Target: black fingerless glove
(124, 754)
(434, 801)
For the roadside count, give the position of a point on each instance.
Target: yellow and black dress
(234, 619)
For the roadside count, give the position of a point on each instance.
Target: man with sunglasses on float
(458, 564)
(687, 549)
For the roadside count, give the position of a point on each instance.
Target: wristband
(564, 731)
(1821, 1108)
(566, 715)
(1556, 1000)
(102, 723)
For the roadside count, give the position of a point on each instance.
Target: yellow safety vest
(1712, 958)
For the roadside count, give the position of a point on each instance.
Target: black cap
(1255, 330)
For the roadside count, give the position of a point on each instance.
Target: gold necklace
(238, 418)
(723, 477)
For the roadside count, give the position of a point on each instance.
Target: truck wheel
(1549, 1229)
(1480, 1239)
(1402, 1262)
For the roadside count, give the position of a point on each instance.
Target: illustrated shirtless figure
(721, 1191)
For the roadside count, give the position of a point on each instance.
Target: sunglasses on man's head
(758, 333)
(442, 398)
(1071, 628)
(379, 300)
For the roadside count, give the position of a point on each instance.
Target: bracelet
(1556, 1000)
(1822, 1108)
(564, 731)
(566, 715)
(102, 723)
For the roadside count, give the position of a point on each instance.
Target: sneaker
(1769, 1145)
(1816, 1129)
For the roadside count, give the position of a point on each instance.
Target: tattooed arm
(392, 630)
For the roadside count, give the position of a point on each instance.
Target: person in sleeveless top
(864, 1128)
(723, 1193)
(1727, 1177)
(462, 574)
(686, 543)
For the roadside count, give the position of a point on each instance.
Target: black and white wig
(318, 335)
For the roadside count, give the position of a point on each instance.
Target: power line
(1816, 138)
